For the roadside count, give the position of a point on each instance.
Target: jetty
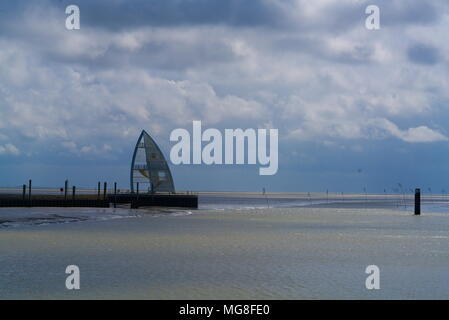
(87, 201)
(51, 197)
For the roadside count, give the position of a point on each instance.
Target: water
(233, 247)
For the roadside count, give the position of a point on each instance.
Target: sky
(355, 108)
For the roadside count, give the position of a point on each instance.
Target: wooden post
(99, 190)
(137, 191)
(417, 201)
(105, 186)
(73, 193)
(24, 190)
(66, 186)
(29, 190)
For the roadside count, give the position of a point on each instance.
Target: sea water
(233, 247)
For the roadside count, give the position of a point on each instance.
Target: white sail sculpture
(149, 167)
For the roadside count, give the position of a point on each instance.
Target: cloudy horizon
(355, 108)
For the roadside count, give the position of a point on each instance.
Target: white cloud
(9, 149)
(418, 134)
(422, 134)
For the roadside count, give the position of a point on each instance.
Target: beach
(309, 252)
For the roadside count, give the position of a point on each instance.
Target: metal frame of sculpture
(149, 168)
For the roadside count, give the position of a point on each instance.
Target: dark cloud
(121, 14)
(335, 17)
(423, 54)
(398, 12)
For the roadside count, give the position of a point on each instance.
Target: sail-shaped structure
(149, 167)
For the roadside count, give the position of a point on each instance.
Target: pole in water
(417, 201)
(115, 194)
(99, 190)
(66, 186)
(24, 190)
(29, 189)
(73, 193)
(105, 186)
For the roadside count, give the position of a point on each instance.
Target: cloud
(421, 134)
(121, 14)
(9, 149)
(423, 54)
(308, 68)
(400, 13)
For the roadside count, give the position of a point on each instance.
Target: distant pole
(29, 189)
(137, 191)
(99, 190)
(73, 193)
(417, 201)
(24, 190)
(105, 187)
(115, 194)
(66, 186)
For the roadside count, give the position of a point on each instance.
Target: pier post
(115, 194)
(29, 189)
(73, 193)
(24, 190)
(105, 186)
(99, 190)
(66, 186)
(417, 201)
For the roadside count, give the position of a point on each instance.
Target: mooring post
(99, 190)
(29, 189)
(115, 194)
(66, 186)
(24, 190)
(417, 201)
(105, 186)
(73, 193)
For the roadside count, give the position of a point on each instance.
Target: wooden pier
(134, 200)
(39, 202)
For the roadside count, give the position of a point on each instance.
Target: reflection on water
(317, 252)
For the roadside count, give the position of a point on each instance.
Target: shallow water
(264, 253)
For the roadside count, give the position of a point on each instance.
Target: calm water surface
(232, 248)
